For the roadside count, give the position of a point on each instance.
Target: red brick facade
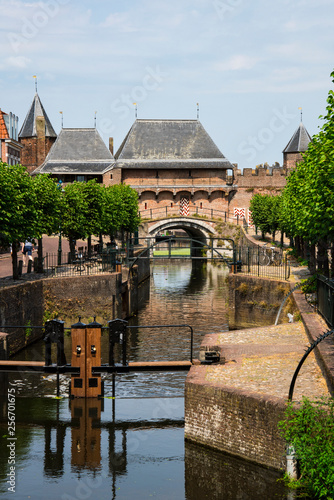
(35, 150)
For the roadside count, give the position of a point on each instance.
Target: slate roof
(78, 151)
(28, 128)
(169, 144)
(299, 141)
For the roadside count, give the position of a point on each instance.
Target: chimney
(111, 145)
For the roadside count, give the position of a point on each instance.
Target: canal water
(131, 446)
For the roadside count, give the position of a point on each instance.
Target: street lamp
(60, 187)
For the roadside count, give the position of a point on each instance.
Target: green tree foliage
(48, 206)
(310, 430)
(266, 212)
(18, 209)
(308, 198)
(121, 209)
(75, 213)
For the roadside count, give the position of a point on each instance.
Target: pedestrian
(27, 249)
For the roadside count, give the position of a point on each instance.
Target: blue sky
(249, 64)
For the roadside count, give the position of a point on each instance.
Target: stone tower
(36, 136)
(298, 144)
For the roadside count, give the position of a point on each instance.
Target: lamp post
(59, 186)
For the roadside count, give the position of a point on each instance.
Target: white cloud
(18, 62)
(236, 62)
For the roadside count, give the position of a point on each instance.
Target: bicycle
(270, 256)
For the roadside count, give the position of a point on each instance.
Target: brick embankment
(235, 406)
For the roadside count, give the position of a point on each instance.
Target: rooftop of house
(79, 151)
(168, 144)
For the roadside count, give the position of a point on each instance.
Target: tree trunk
(312, 262)
(298, 246)
(332, 259)
(89, 246)
(40, 256)
(100, 243)
(72, 248)
(15, 246)
(322, 258)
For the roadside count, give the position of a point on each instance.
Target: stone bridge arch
(195, 228)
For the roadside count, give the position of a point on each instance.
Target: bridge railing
(179, 211)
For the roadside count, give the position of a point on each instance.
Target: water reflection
(114, 449)
(216, 476)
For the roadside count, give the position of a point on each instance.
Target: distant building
(79, 154)
(298, 144)
(173, 162)
(36, 136)
(10, 148)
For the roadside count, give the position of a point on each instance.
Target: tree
(266, 213)
(48, 206)
(120, 210)
(18, 212)
(308, 198)
(74, 214)
(93, 193)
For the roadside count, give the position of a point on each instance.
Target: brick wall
(233, 421)
(35, 151)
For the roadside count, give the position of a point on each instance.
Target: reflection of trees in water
(212, 474)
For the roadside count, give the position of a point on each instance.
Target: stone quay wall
(233, 421)
(105, 296)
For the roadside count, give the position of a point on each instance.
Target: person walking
(27, 249)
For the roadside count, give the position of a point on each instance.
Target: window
(80, 178)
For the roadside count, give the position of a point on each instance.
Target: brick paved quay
(263, 361)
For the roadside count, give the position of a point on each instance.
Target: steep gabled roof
(168, 144)
(29, 125)
(299, 141)
(78, 151)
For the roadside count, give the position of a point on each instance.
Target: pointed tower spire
(36, 135)
(298, 144)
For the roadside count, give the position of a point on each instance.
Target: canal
(131, 446)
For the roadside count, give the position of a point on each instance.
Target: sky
(249, 64)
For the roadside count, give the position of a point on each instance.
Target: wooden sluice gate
(86, 367)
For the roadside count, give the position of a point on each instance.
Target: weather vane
(301, 114)
(95, 119)
(35, 77)
(198, 111)
(136, 109)
(62, 119)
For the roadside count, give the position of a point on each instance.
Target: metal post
(169, 247)
(237, 219)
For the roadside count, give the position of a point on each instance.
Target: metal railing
(325, 299)
(81, 264)
(263, 262)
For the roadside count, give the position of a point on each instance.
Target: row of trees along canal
(304, 211)
(31, 207)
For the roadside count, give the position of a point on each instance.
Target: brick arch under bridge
(195, 228)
